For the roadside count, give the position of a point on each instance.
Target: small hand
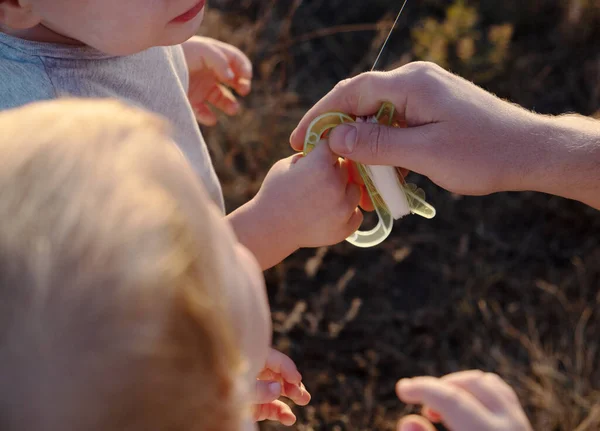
(280, 377)
(214, 68)
(304, 201)
(312, 197)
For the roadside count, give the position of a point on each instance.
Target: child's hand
(280, 377)
(213, 67)
(313, 198)
(303, 202)
(464, 401)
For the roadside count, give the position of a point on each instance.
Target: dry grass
(507, 283)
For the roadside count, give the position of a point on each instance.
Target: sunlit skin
(469, 142)
(48, 136)
(276, 373)
(111, 26)
(463, 138)
(124, 28)
(463, 401)
(119, 28)
(307, 203)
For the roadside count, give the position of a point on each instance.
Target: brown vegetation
(507, 283)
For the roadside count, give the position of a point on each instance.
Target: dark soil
(507, 283)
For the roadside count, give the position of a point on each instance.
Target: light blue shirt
(155, 79)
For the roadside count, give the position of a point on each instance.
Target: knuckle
(423, 74)
(351, 90)
(364, 80)
(343, 84)
(493, 378)
(215, 96)
(451, 399)
(422, 68)
(351, 100)
(502, 387)
(367, 83)
(216, 56)
(377, 140)
(348, 95)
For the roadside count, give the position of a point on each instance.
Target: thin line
(388, 36)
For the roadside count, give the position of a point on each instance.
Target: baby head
(125, 300)
(114, 27)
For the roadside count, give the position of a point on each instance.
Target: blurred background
(507, 283)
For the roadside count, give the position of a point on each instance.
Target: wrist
(261, 230)
(189, 48)
(566, 162)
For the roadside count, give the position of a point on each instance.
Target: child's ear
(17, 15)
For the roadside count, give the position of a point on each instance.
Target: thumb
(373, 144)
(266, 391)
(414, 423)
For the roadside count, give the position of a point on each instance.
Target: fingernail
(229, 74)
(411, 426)
(247, 69)
(275, 388)
(349, 142)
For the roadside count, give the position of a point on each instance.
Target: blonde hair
(111, 315)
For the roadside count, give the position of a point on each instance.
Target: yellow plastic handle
(319, 129)
(316, 131)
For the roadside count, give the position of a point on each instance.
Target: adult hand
(464, 401)
(463, 138)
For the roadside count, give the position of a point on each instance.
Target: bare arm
(572, 169)
(261, 235)
(463, 138)
(303, 202)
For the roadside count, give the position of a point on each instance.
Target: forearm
(260, 233)
(568, 162)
